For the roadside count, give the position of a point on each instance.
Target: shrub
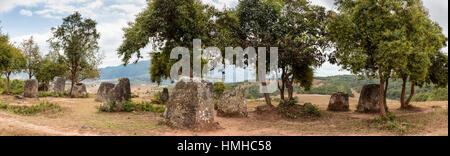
(311, 109)
(49, 94)
(81, 97)
(131, 106)
(43, 107)
(16, 86)
(219, 88)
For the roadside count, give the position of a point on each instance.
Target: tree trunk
(73, 83)
(402, 96)
(385, 92)
(267, 96)
(410, 95)
(282, 91)
(381, 98)
(290, 91)
(9, 84)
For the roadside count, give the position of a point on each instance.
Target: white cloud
(26, 12)
(40, 39)
(113, 15)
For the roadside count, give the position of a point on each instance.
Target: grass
(43, 107)
(131, 106)
(392, 123)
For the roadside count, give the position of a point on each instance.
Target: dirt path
(355, 93)
(7, 122)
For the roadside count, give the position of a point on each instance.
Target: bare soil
(81, 117)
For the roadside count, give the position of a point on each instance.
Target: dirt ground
(80, 117)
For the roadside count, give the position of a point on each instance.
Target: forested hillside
(345, 83)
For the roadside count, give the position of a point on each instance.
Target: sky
(21, 19)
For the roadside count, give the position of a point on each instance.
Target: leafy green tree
(165, 24)
(258, 25)
(30, 50)
(296, 27)
(301, 45)
(438, 72)
(15, 65)
(78, 38)
(418, 38)
(50, 67)
(371, 38)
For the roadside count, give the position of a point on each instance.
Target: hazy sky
(23, 18)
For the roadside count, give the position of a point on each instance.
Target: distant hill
(351, 84)
(137, 73)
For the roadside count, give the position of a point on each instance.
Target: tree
(301, 42)
(297, 28)
(438, 71)
(421, 40)
(166, 24)
(258, 25)
(369, 38)
(31, 51)
(50, 67)
(78, 38)
(15, 65)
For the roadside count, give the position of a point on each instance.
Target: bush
(219, 88)
(133, 107)
(43, 107)
(81, 97)
(312, 110)
(16, 86)
(49, 94)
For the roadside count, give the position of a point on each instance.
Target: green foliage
(166, 24)
(85, 96)
(43, 107)
(219, 88)
(49, 94)
(11, 59)
(49, 69)
(312, 110)
(392, 123)
(16, 86)
(133, 107)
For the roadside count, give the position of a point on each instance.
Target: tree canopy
(384, 38)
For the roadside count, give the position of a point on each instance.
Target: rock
(120, 94)
(339, 102)
(164, 95)
(43, 87)
(19, 97)
(191, 105)
(264, 109)
(79, 90)
(31, 89)
(103, 91)
(368, 100)
(232, 104)
(58, 85)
